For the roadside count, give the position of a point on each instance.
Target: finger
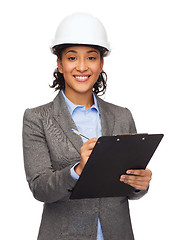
(141, 185)
(92, 140)
(134, 178)
(139, 172)
(89, 144)
(149, 172)
(134, 181)
(87, 155)
(141, 182)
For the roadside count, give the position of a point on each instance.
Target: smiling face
(81, 67)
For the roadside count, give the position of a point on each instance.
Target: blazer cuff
(135, 195)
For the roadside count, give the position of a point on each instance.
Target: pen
(78, 133)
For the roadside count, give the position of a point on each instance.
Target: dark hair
(59, 81)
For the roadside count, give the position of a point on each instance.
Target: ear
(59, 64)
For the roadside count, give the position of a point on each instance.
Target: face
(80, 66)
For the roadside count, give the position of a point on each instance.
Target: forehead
(81, 50)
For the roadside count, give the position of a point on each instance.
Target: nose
(82, 65)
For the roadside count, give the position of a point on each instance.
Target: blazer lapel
(107, 118)
(65, 121)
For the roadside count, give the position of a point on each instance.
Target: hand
(86, 150)
(138, 179)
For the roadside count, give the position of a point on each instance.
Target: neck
(83, 99)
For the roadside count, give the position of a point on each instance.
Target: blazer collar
(65, 121)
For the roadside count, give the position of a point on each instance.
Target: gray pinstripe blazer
(50, 150)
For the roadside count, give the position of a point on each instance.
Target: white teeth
(81, 77)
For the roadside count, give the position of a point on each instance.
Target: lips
(81, 78)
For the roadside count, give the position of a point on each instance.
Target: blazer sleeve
(132, 129)
(47, 185)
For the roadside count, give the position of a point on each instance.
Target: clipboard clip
(132, 134)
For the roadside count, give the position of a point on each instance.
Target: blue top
(88, 122)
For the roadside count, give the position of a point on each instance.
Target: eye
(72, 58)
(91, 58)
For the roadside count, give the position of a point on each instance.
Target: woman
(54, 156)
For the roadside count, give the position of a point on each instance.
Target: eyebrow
(92, 51)
(73, 51)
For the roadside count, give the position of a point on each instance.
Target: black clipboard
(111, 157)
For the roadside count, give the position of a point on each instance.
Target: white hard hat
(81, 28)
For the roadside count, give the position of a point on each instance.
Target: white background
(145, 73)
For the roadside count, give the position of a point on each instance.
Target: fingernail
(128, 172)
(122, 178)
